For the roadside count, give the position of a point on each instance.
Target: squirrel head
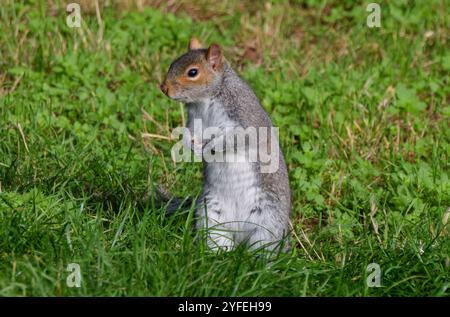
(195, 75)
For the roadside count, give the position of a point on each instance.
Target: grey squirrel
(243, 200)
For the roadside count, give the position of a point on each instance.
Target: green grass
(364, 123)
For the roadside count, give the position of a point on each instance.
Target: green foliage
(363, 121)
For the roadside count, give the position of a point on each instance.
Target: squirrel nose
(164, 88)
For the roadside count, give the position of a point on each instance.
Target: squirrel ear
(214, 56)
(194, 44)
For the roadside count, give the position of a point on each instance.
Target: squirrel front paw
(192, 143)
(197, 147)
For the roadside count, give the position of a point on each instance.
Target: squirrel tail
(173, 204)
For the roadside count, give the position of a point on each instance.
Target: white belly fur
(231, 189)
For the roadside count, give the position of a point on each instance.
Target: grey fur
(243, 205)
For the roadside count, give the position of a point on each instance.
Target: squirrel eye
(192, 72)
